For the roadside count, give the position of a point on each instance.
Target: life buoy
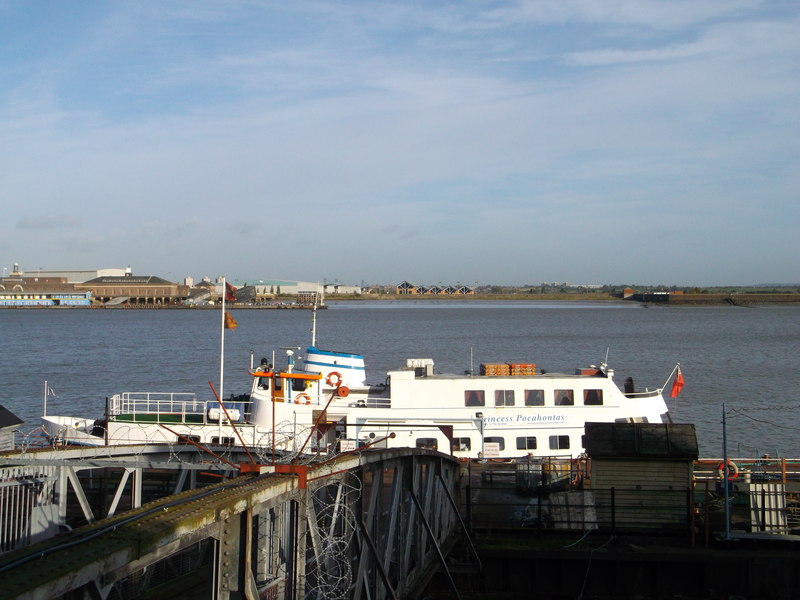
(334, 379)
(733, 470)
(302, 399)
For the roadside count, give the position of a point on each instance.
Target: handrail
(165, 403)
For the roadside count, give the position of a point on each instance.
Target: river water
(745, 359)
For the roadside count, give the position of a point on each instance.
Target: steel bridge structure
(374, 524)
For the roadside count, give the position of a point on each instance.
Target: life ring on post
(302, 399)
(733, 470)
(334, 379)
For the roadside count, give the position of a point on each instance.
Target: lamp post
(480, 423)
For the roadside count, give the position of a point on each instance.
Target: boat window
(504, 397)
(427, 443)
(474, 398)
(559, 442)
(278, 383)
(226, 441)
(526, 443)
(565, 397)
(462, 444)
(500, 441)
(592, 397)
(534, 397)
(263, 383)
(299, 385)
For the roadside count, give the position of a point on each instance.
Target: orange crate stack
(495, 369)
(522, 368)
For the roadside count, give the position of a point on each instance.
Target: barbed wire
(742, 413)
(329, 569)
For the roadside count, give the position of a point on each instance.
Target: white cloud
(412, 123)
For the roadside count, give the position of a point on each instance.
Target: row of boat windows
(464, 444)
(225, 441)
(533, 398)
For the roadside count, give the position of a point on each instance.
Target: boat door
(278, 387)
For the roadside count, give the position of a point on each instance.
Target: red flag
(677, 384)
(230, 293)
(230, 322)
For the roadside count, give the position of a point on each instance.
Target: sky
(493, 142)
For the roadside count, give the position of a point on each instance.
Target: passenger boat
(323, 403)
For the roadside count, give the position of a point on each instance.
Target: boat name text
(520, 418)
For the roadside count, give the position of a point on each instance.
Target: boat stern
(72, 430)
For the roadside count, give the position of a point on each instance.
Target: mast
(314, 318)
(222, 342)
(314, 324)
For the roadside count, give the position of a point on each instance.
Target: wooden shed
(641, 473)
(8, 423)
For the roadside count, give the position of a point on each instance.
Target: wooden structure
(641, 473)
(8, 425)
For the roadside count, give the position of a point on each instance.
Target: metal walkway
(371, 525)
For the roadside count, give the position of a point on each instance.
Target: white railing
(644, 394)
(158, 404)
(370, 403)
(166, 406)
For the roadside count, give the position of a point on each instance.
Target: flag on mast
(50, 391)
(230, 292)
(230, 322)
(677, 385)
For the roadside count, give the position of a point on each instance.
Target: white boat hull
(503, 416)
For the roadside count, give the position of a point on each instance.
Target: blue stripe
(334, 367)
(313, 350)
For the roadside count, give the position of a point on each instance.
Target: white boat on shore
(324, 404)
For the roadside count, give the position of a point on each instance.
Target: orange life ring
(334, 379)
(302, 397)
(733, 470)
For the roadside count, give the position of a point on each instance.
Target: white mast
(221, 361)
(222, 343)
(314, 319)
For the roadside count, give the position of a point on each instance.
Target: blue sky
(613, 141)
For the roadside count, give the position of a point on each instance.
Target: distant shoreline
(711, 299)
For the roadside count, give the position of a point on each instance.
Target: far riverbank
(662, 299)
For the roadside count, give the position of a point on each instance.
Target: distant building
(19, 290)
(70, 276)
(266, 288)
(407, 288)
(432, 290)
(134, 289)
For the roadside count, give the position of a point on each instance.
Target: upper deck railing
(171, 407)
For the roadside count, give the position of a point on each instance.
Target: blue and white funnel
(349, 366)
